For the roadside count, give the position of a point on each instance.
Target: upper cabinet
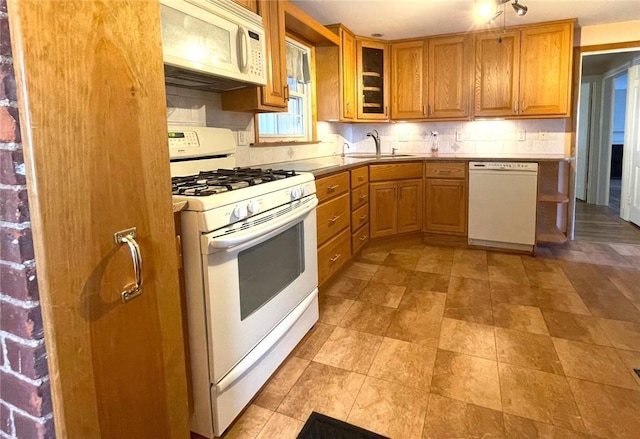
(336, 75)
(431, 78)
(524, 72)
(251, 5)
(274, 95)
(372, 75)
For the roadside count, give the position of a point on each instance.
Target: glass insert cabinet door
(373, 80)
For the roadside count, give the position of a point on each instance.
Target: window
(296, 123)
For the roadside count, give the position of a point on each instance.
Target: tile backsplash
(539, 136)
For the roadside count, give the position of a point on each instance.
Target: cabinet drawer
(360, 217)
(359, 197)
(395, 171)
(333, 255)
(359, 177)
(359, 238)
(333, 216)
(332, 186)
(446, 170)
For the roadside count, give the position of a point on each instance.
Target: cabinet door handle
(424, 110)
(363, 217)
(286, 92)
(335, 257)
(362, 197)
(333, 188)
(128, 237)
(515, 107)
(386, 108)
(334, 219)
(363, 237)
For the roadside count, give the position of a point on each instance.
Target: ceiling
(397, 19)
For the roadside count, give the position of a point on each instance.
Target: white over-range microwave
(213, 45)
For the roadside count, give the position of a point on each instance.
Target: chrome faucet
(376, 139)
(343, 145)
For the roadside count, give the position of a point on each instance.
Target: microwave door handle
(245, 53)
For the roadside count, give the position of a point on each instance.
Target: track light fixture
(489, 10)
(520, 9)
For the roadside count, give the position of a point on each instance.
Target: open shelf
(371, 105)
(376, 74)
(553, 202)
(550, 235)
(553, 198)
(371, 89)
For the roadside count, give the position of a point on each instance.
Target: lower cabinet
(333, 255)
(396, 207)
(359, 208)
(445, 198)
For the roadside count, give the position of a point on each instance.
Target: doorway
(604, 170)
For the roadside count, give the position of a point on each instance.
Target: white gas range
(250, 263)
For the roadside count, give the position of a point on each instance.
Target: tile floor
(432, 342)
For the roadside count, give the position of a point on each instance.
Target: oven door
(254, 279)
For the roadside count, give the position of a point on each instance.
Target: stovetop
(218, 181)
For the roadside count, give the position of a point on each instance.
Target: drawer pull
(444, 171)
(333, 188)
(334, 219)
(363, 237)
(335, 258)
(363, 217)
(362, 197)
(360, 178)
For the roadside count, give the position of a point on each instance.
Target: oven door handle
(238, 241)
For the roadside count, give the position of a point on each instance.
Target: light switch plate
(543, 135)
(242, 138)
(522, 135)
(459, 136)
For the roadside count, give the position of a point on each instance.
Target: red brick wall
(25, 397)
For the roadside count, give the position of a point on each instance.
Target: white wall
(608, 33)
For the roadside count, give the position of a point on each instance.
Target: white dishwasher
(502, 204)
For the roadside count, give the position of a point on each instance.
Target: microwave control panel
(256, 66)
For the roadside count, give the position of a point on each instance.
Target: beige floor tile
(470, 287)
(508, 274)
(281, 427)
(471, 271)
(470, 256)
(610, 305)
(521, 317)
(503, 260)
(605, 258)
(428, 282)
(560, 300)
(540, 396)
(623, 335)
(361, 270)
(365, 317)
(472, 308)
(249, 424)
(408, 249)
(466, 378)
(631, 360)
(372, 256)
(349, 349)
(626, 280)
(527, 349)
(346, 287)
(382, 294)
(468, 338)
(415, 327)
(575, 327)
(281, 383)
(313, 341)
(333, 309)
(626, 249)
(425, 302)
(439, 252)
(608, 411)
(600, 364)
(522, 428)
(404, 363)
(570, 255)
(547, 275)
(324, 389)
(436, 266)
(402, 260)
(451, 419)
(389, 409)
(511, 293)
(391, 275)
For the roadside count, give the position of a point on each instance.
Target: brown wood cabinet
(372, 77)
(251, 5)
(524, 72)
(336, 77)
(395, 195)
(273, 96)
(408, 88)
(445, 199)
(553, 202)
(359, 208)
(333, 224)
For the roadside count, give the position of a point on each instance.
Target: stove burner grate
(222, 180)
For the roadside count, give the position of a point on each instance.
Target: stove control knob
(253, 207)
(240, 212)
(305, 190)
(296, 193)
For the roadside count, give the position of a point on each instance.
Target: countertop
(179, 205)
(331, 164)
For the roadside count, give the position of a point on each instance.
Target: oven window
(269, 267)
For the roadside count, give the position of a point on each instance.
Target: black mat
(323, 427)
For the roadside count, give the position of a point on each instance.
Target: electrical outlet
(543, 135)
(459, 136)
(242, 138)
(403, 137)
(522, 135)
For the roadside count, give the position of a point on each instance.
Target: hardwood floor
(603, 224)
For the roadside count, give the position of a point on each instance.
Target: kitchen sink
(373, 156)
